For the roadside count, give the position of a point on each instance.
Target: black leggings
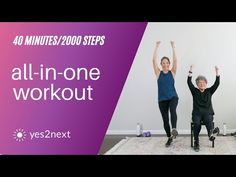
(164, 108)
(207, 120)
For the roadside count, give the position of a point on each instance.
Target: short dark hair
(163, 58)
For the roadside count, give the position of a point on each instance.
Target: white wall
(202, 44)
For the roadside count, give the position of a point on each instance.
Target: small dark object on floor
(233, 134)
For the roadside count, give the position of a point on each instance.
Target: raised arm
(189, 81)
(174, 68)
(217, 81)
(155, 59)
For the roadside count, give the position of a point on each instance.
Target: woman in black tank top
(167, 96)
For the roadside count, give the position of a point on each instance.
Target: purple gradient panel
(86, 120)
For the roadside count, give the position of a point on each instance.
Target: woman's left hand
(172, 44)
(217, 70)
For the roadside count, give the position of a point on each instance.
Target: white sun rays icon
(19, 135)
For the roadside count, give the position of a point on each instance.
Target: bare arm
(174, 68)
(155, 59)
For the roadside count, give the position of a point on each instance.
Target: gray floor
(112, 140)
(109, 141)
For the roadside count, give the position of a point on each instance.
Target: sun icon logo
(19, 135)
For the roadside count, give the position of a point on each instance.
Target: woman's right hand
(158, 43)
(191, 68)
(172, 44)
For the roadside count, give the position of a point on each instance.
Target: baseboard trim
(159, 132)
